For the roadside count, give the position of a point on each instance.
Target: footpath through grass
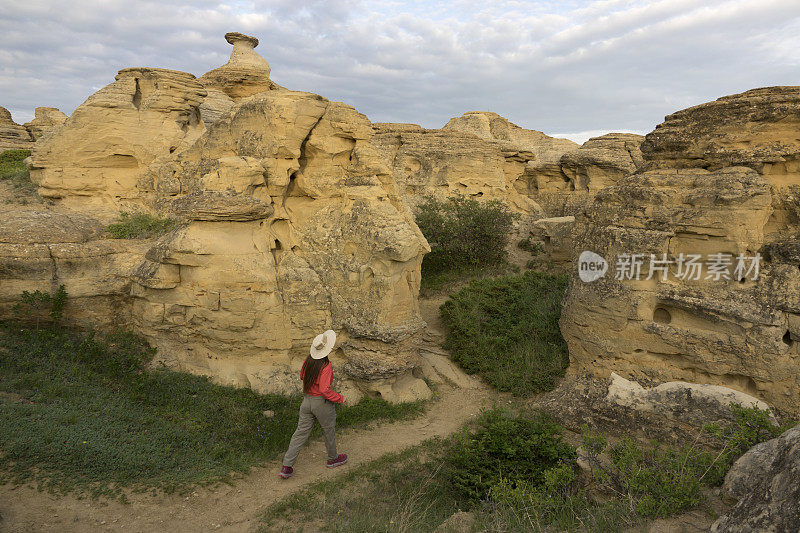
(80, 412)
(517, 472)
(506, 330)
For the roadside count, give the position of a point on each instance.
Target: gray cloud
(562, 67)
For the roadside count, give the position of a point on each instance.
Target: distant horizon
(573, 69)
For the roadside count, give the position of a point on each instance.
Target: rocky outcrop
(290, 223)
(42, 249)
(295, 226)
(567, 184)
(45, 119)
(245, 74)
(97, 155)
(447, 162)
(691, 403)
(12, 135)
(764, 480)
(737, 328)
(493, 127)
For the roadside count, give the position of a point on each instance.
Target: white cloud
(556, 66)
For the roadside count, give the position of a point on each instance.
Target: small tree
(463, 232)
(36, 305)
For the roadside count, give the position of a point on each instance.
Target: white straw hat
(323, 344)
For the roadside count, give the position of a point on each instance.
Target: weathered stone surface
(581, 400)
(45, 119)
(765, 481)
(447, 162)
(565, 186)
(211, 205)
(42, 249)
(214, 106)
(97, 155)
(692, 403)
(757, 128)
(738, 332)
(245, 74)
(491, 126)
(12, 135)
(297, 228)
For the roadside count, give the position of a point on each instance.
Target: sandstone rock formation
(764, 480)
(733, 331)
(46, 118)
(493, 127)
(245, 74)
(99, 152)
(42, 249)
(567, 184)
(12, 135)
(691, 403)
(291, 223)
(446, 162)
(296, 226)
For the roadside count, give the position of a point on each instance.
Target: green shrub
(463, 233)
(38, 305)
(15, 172)
(140, 226)
(506, 329)
(663, 480)
(750, 426)
(512, 449)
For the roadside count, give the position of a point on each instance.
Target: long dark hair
(311, 369)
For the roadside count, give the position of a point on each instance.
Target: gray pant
(313, 407)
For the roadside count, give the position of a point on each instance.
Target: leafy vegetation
(660, 480)
(82, 411)
(14, 171)
(465, 236)
(140, 226)
(506, 330)
(37, 306)
(510, 449)
(534, 248)
(516, 473)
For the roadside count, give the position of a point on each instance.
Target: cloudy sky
(572, 67)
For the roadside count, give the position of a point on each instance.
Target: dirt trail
(237, 507)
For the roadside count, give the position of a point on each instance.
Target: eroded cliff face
(12, 135)
(446, 162)
(296, 227)
(565, 185)
(93, 160)
(291, 223)
(720, 180)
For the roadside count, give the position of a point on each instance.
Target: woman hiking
(318, 403)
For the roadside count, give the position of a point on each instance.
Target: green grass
(14, 171)
(527, 480)
(506, 330)
(81, 413)
(140, 226)
(397, 492)
(413, 491)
